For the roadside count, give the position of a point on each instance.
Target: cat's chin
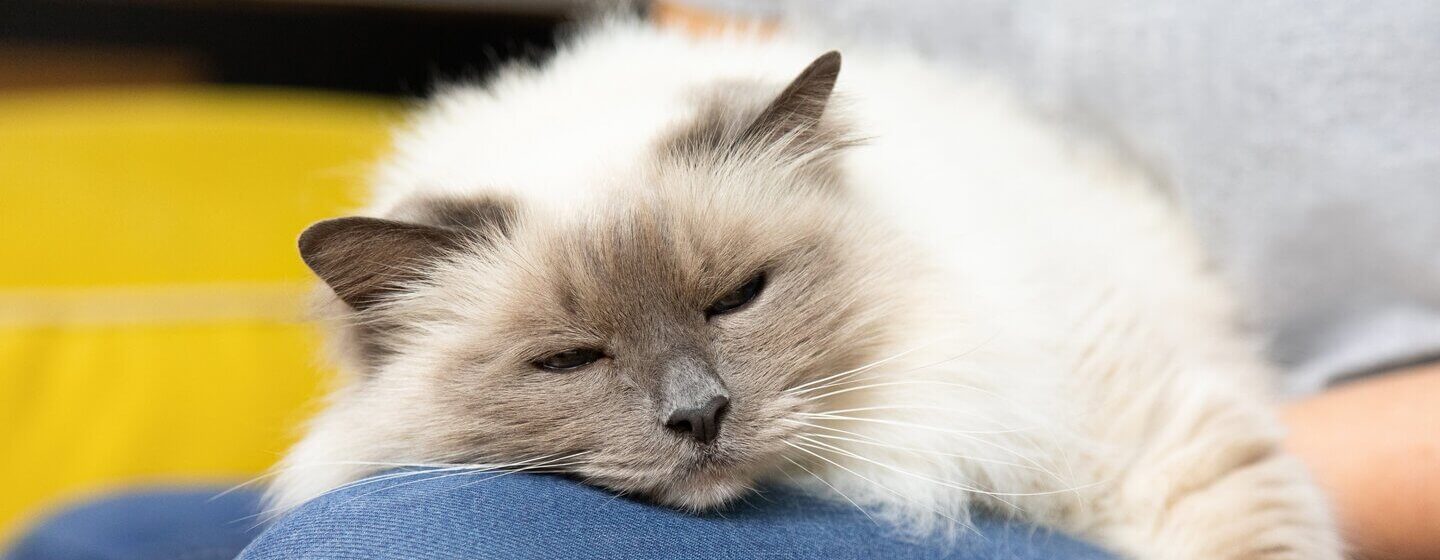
(702, 491)
(695, 488)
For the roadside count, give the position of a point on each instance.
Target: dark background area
(391, 47)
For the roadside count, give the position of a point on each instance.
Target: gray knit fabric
(1303, 136)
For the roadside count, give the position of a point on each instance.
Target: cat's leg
(1210, 481)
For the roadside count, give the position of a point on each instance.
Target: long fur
(970, 310)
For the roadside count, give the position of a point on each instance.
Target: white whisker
(836, 490)
(869, 440)
(971, 437)
(276, 472)
(934, 382)
(876, 484)
(269, 514)
(427, 468)
(873, 364)
(828, 416)
(972, 458)
(899, 470)
(979, 414)
(802, 388)
(542, 465)
(941, 482)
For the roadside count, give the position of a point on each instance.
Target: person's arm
(1374, 445)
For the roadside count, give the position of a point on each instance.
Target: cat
(674, 268)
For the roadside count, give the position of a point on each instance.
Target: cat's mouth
(701, 480)
(713, 477)
(705, 485)
(710, 459)
(700, 476)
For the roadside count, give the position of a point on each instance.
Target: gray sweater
(1302, 136)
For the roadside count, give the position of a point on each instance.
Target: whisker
(946, 483)
(934, 382)
(743, 496)
(427, 468)
(543, 465)
(277, 472)
(832, 487)
(873, 364)
(799, 389)
(759, 493)
(1034, 466)
(1047, 430)
(971, 437)
(911, 424)
(878, 485)
(392, 475)
(787, 474)
(232, 489)
(982, 415)
(550, 468)
(269, 514)
(972, 458)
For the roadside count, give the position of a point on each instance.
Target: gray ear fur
(796, 112)
(363, 259)
(732, 121)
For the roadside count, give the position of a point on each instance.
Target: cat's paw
(1268, 510)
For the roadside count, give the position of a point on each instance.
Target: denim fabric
(521, 517)
(484, 516)
(162, 524)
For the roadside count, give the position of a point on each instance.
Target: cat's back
(578, 124)
(945, 155)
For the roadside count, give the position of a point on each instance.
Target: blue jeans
(506, 517)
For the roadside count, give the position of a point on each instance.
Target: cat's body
(984, 314)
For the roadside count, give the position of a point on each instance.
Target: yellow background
(151, 300)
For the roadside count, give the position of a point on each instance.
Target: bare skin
(1374, 445)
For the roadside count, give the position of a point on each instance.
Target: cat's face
(652, 343)
(659, 341)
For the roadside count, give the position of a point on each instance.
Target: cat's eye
(569, 359)
(737, 298)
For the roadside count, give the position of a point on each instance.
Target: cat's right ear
(363, 259)
(795, 113)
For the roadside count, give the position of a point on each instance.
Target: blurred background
(157, 160)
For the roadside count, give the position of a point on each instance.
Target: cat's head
(652, 342)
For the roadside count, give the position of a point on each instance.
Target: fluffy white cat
(651, 263)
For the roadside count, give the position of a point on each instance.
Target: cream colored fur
(1065, 355)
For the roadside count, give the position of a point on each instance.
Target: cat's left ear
(794, 115)
(365, 259)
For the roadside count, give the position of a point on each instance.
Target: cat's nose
(701, 423)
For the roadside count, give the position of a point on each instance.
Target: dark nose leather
(700, 423)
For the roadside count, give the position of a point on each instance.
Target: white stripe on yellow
(148, 305)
